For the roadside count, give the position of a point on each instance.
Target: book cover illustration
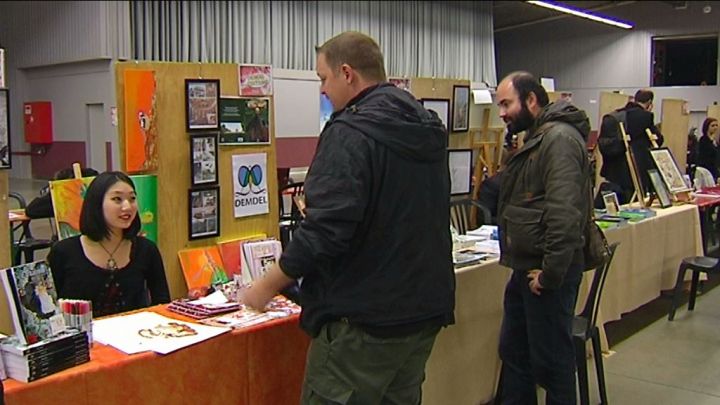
(255, 80)
(141, 132)
(33, 302)
(202, 267)
(261, 256)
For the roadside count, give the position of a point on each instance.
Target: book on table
(32, 301)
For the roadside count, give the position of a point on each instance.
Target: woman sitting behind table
(708, 155)
(109, 263)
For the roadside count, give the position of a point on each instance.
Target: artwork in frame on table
(5, 152)
(204, 212)
(441, 106)
(461, 108)
(669, 170)
(612, 205)
(203, 159)
(661, 190)
(460, 164)
(202, 103)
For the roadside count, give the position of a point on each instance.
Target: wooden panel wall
(675, 127)
(174, 163)
(423, 87)
(5, 319)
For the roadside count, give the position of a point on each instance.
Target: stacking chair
(460, 215)
(290, 220)
(25, 245)
(585, 328)
(697, 264)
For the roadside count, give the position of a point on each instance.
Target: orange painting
(202, 268)
(140, 121)
(67, 197)
(232, 257)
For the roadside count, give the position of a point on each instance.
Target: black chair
(585, 328)
(290, 220)
(697, 264)
(460, 215)
(25, 244)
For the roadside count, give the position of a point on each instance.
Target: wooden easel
(488, 149)
(639, 193)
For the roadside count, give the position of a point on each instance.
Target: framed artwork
(461, 108)
(441, 106)
(204, 212)
(660, 189)
(203, 159)
(5, 156)
(244, 121)
(612, 206)
(669, 170)
(255, 80)
(2, 67)
(141, 134)
(460, 164)
(202, 101)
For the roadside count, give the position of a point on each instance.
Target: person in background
(41, 206)
(490, 188)
(708, 154)
(374, 249)
(542, 213)
(109, 264)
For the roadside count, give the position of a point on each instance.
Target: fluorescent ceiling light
(580, 13)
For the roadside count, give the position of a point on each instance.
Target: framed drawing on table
(669, 170)
(661, 191)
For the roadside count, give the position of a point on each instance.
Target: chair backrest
(590, 310)
(292, 190)
(703, 177)
(460, 215)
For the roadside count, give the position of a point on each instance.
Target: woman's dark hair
(92, 217)
(706, 125)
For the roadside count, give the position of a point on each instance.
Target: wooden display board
(173, 171)
(675, 127)
(5, 320)
(713, 111)
(424, 87)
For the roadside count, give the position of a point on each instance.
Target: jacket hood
(394, 118)
(565, 112)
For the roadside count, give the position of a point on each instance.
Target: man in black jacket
(374, 249)
(638, 117)
(543, 210)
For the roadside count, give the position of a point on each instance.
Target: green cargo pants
(345, 365)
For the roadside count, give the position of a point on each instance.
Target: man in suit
(638, 117)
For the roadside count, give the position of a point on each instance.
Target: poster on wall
(244, 121)
(5, 155)
(255, 80)
(460, 165)
(68, 196)
(250, 184)
(141, 141)
(400, 82)
(201, 103)
(461, 108)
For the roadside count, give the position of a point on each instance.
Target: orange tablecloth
(259, 365)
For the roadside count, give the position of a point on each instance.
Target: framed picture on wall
(5, 156)
(460, 164)
(203, 159)
(202, 101)
(441, 106)
(204, 212)
(461, 108)
(669, 170)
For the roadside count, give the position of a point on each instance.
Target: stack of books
(31, 362)
(196, 310)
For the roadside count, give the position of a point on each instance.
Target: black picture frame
(461, 109)
(460, 165)
(202, 104)
(661, 191)
(441, 106)
(5, 149)
(203, 212)
(203, 159)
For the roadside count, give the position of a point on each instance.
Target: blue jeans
(536, 343)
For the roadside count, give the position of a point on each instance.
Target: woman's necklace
(111, 263)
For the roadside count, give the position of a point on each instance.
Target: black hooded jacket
(375, 246)
(544, 198)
